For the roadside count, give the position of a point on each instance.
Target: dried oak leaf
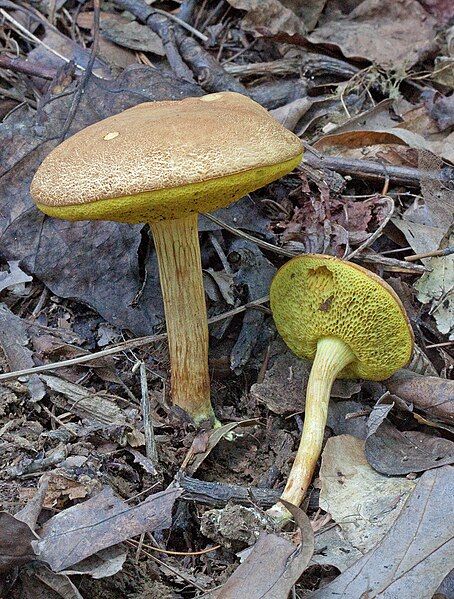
(273, 565)
(363, 502)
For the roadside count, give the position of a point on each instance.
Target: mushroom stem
(331, 357)
(178, 250)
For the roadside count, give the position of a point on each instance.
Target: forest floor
(88, 510)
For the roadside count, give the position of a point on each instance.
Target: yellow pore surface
(166, 160)
(315, 296)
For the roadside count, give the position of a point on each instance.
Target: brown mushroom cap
(315, 297)
(165, 160)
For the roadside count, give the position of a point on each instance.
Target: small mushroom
(163, 163)
(351, 324)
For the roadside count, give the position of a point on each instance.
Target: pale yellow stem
(180, 269)
(330, 359)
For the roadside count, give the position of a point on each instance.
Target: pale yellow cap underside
(162, 146)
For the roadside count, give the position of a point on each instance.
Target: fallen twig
(313, 64)
(31, 37)
(219, 494)
(209, 72)
(150, 443)
(435, 253)
(368, 169)
(19, 65)
(86, 75)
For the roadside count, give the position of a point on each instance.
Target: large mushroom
(351, 324)
(163, 163)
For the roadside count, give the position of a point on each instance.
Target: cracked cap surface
(166, 159)
(316, 296)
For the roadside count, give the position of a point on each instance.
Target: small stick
(58, 420)
(139, 547)
(444, 344)
(174, 571)
(19, 65)
(445, 252)
(150, 441)
(368, 169)
(169, 552)
(87, 74)
(183, 24)
(219, 494)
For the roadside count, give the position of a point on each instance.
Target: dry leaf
(390, 33)
(363, 502)
(433, 395)
(14, 341)
(98, 523)
(437, 287)
(195, 458)
(15, 276)
(395, 452)
(273, 566)
(37, 582)
(131, 34)
(15, 542)
(269, 17)
(416, 553)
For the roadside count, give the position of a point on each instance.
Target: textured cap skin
(155, 147)
(316, 296)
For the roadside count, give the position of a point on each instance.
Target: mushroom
(351, 324)
(163, 163)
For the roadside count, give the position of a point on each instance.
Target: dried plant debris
(406, 31)
(437, 288)
(394, 452)
(433, 395)
(270, 17)
(15, 542)
(15, 277)
(14, 341)
(273, 565)
(364, 503)
(98, 523)
(415, 555)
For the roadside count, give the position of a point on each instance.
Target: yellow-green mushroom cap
(315, 296)
(165, 160)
